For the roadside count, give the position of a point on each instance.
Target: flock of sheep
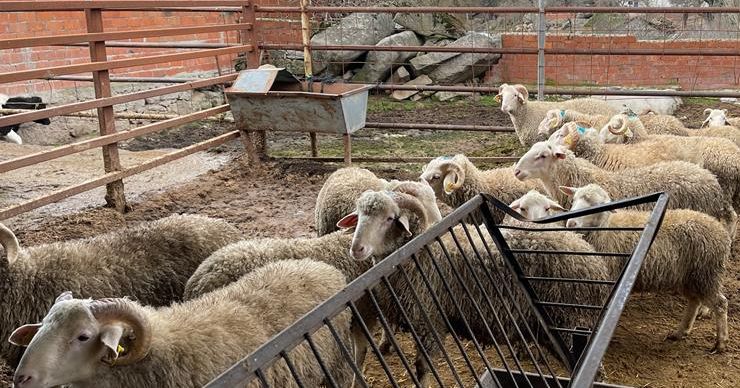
(175, 302)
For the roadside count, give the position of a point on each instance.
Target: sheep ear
(404, 222)
(348, 221)
(558, 152)
(569, 191)
(707, 111)
(110, 336)
(555, 205)
(23, 335)
(66, 295)
(515, 205)
(523, 94)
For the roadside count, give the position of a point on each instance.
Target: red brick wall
(18, 25)
(687, 72)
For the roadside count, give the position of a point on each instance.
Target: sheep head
(445, 174)
(538, 162)
(383, 221)
(512, 97)
(715, 117)
(76, 336)
(617, 129)
(535, 205)
(585, 197)
(570, 134)
(553, 119)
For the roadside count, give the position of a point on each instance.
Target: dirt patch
(692, 112)
(180, 137)
(6, 374)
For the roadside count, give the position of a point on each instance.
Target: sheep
(456, 180)
(342, 188)
(555, 118)
(10, 133)
(718, 118)
(687, 256)
(373, 236)
(150, 262)
(720, 156)
(187, 344)
(526, 115)
(624, 128)
(689, 185)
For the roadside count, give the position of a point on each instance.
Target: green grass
(707, 101)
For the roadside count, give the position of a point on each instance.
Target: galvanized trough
(272, 99)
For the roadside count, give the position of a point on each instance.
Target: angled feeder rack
(511, 335)
(273, 99)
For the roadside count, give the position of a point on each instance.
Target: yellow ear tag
(628, 133)
(120, 349)
(569, 140)
(497, 98)
(449, 187)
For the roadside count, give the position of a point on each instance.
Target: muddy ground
(277, 200)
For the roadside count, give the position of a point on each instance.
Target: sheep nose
(21, 380)
(359, 252)
(517, 172)
(570, 224)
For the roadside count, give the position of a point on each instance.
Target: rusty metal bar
(69, 149)
(132, 34)
(184, 9)
(177, 45)
(70, 5)
(513, 50)
(118, 115)
(101, 102)
(399, 159)
(115, 196)
(154, 80)
(58, 195)
(497, 10)
(47, 72)
(440, 127)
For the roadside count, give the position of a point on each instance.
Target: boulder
(355, 29)
(446, 96)
(433, 24)
(399, 76)
(378, 63)
(466, 66)
(291, 60)
(404, 94)
(666, 105)
(428, 63)
(422, 95)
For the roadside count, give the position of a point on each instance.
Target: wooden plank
(134, 34)
(116, 196)
(47, 72)
(255, 143)
(34, 6)
(109, 101)
(58, 195)
(44, 156)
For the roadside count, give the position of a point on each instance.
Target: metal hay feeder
(272, 99)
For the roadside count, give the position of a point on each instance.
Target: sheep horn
(416, 189)
(413, 204)
(125, 311)
(460, 172)
(9, 243)
(554, 122)
(621, 129)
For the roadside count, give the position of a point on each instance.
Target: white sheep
(526, 115)
(718, 155)
(687, 256)
(456, 180)
(150, 262)
(623, 128)
(556, 118)
(690, 186)
(117, 342)
(718, 118)
(374, 236)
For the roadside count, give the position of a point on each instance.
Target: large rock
(378, 63)
(399, 76)
(404, 94)
(665, 105)
(291, 60)
(355, 29)
(459, 67)
(433, 24)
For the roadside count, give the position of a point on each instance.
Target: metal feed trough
(522, 344)
(272, 99)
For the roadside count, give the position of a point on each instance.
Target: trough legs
(347, 149)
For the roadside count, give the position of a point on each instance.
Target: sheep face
(570, 134)
(535, 205)
(512, 98)
(585, 197)
(538, 161)
(66, 347)
(444, 174)
(553, 119)
(616, 124)
(378, 223)
(715, 117)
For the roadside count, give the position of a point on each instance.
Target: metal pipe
(441, 127)
(716, 52)
(541, 33)
(408, 159)
(120, 115)
(498, 10)
(183, 45)
(163, 80)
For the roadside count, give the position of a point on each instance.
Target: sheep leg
(704, 312)
(720, 315)
(361, 344)
(385, 342)
(426, 378)
(687, 322)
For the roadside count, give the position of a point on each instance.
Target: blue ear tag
(580, 129)
(562, 113)
(445, 157)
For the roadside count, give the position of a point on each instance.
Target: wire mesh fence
(466, 304)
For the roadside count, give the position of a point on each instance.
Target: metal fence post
(308, 61)
(541, 32)
(256, 146)
(115, 195)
